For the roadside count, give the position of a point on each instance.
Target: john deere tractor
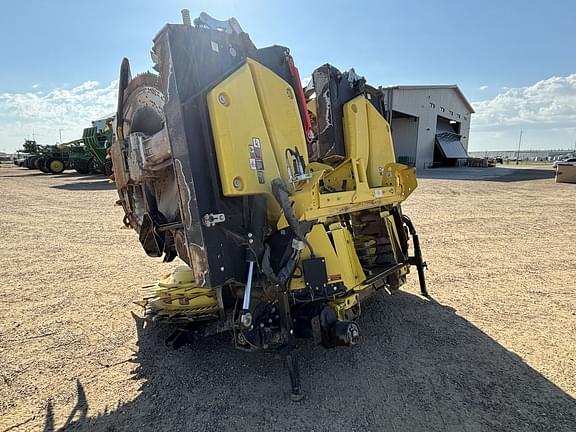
(97, 140)
(79, 157)
(46, 158)
(283, 205)
(90, 153)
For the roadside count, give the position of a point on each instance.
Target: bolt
(246, 319)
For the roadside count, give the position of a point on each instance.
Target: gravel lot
(494, 351)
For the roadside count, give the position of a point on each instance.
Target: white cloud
(70, 109)
(548, 103)
(35, 86)
(483, 87)
(545, 110)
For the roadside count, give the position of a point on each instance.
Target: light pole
(518, 153)
(60, 131)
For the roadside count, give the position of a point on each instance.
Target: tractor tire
(94, 166)
(42, 165)
(55, 165)
(108, 170)
(36, 162)
(82, 166)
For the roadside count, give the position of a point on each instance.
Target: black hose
(282, 195)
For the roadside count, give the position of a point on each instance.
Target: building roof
(447, 86)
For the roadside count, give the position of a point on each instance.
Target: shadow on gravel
(78, 175)
(31, 174)
(68, 174)
(418, 367)
(488, 174)
(86, 186)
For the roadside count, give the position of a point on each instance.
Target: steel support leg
(290, 359)
(245, 315)
(294, 372)
(417, 259)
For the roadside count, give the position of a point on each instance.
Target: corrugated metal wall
(427, 104)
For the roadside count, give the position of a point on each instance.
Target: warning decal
(256, 160)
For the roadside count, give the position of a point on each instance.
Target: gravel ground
(494, 351)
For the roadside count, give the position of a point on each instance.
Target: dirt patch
(495, 350)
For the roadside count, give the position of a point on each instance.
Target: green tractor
(53, 159)
(46, 158)
(32, 149)
(80, 158)
(97, 140)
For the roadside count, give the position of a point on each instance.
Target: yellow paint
(341, 305)
(367, 139)
(254, 106)
(356, 135)
(381, 148)
(237, 124)
(318, 238)
(352, 273)
(175, 294)
(281, 115)
(56, 165)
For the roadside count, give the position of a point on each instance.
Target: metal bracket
(211, 219)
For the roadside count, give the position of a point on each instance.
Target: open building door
(449, 149)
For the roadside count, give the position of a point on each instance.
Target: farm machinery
(46, 158)
(92, 155)
(79, 157)
(88, 154)
(283, 202)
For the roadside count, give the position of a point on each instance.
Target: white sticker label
(378, 193)
(215, 46)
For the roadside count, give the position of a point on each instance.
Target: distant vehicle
(20, 158)
(568, 161)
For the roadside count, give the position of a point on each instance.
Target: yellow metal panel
(341, 259)
(381, 150)
(342, 305)
(393, 235)
(356, 137)
(351, 269)
(246, 160)
(341, 178)
(408, 182)
(281, 115)
(318, 238)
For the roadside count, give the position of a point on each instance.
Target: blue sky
(515, 60)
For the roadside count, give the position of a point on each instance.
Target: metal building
(430, 124)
